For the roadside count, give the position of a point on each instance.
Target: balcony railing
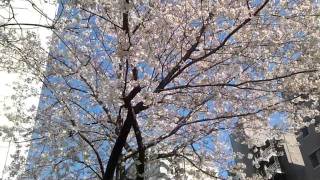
(274, 168)
(268, 153)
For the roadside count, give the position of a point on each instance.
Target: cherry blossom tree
(130, 81)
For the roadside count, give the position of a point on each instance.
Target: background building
(24, 12)
(175, 168)
(290, 158)
(309, 139)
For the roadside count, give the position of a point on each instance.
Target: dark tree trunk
(118, 146)
(141, 150)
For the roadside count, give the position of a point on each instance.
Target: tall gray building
(309, 140)
(276, 159)
(293, 157)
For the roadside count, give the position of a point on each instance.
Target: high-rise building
(291, 157)
(309, 139)
(24, 12)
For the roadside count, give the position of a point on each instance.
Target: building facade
(175, 168)
(24, 12)
(293, 157)
(309, 139)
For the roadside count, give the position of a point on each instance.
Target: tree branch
(95, 152)
(27, 24)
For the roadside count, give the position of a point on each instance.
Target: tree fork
(124, 132)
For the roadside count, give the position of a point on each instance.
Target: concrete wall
(292, 162)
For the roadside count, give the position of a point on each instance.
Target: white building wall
(25, 12)
(173, 169)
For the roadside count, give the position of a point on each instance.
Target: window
(315, 158)
(304, 131)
